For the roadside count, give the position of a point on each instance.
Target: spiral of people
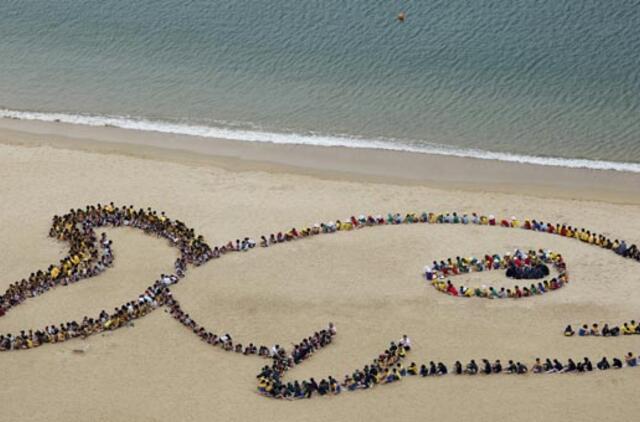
(91, 254)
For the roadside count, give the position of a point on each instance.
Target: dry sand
(367, 282)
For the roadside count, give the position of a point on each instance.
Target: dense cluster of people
(153, 297)
(519, 265)
(625, 329)
(90, 255)
(384, 369)
(270, 382)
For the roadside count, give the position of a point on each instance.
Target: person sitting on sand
(570, 366)
(603, 365)
(424, 371)
(433, 369)
(401, 369)
(486, 367)
(583, 331)
(630, 360)
(393, 376)
(451, 289)
(472, 368)
(537, 367)
(548, 366)
(428, 273)
(557, 366)
(521, 368)
(334, 386)
(323, 387)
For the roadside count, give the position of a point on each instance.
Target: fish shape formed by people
(90, 254)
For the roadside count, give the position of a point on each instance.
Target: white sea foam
(310, 139)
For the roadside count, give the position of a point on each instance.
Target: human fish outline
(89, 255)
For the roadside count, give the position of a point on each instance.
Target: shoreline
(310, 139)
(335, 162)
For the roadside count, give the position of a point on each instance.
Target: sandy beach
(367, 282)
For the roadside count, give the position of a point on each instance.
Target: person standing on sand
(405, 342)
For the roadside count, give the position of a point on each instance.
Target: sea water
(551, 82)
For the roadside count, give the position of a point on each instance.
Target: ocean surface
(555, 82)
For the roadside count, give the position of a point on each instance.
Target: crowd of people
(625, 329)
(519, 265)
(388, 368)
(270, 378)
(90, 255)
(153, 297)
(384, 369)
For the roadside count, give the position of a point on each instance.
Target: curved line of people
(619, 247)
(281, 359)
(388, 368)
(384, 369)
(518, 265)
(88, 256)
(153, 297)
(625, 329)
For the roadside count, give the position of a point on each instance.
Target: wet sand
(335, 163)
